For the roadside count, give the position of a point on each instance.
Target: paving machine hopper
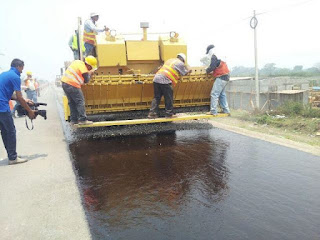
(124, 80)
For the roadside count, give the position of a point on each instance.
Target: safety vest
(168, 70)
(11, 105)
(89, 37)
(30, 84)
(221, 70)
(75, 43)
(73, 74)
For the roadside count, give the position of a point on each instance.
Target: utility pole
(253, 25)
(79, 35)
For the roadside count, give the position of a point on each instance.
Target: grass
(292, 121)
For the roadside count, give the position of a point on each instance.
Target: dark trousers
(76, 102)
(8, 134)
(160, 90)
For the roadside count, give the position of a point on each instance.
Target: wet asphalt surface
(193, 181)
(197, 183)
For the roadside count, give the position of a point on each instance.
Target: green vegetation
(270, 70)
(291, 116)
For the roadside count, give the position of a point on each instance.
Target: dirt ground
(302, 142)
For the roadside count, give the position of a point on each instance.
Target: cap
(94, 14)
(209, 47)
(183, 56)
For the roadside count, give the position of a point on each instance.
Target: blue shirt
(9, 82)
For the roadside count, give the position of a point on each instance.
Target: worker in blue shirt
(10, 82)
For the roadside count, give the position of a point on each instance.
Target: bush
(298, 109)
(290, 109)
(310, 112)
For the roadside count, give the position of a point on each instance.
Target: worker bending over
(220, 72)
(163, 83)
(90, 32)
(77, 74)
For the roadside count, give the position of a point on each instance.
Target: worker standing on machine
(90, 32)
(77, 74)
(163, 83)
(73, 44)
(220, 72)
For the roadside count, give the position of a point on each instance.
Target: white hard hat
(183, 56)
(94, 14)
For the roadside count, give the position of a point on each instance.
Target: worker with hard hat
(164, 81)
(220, 72)
(73, 44)
(90, 32)
(30, 86)
(78, 73)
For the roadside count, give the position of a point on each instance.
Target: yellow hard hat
(92, 61)
(29, 73)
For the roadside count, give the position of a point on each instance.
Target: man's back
(9, 82)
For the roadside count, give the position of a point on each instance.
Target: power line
(284, 7)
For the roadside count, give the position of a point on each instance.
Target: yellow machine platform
(183, 117)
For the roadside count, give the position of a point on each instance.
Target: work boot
(172, 116)
(86, 122)
(17, 161)
(210, 113)
(152, 115)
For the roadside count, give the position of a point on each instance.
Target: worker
(163, 83)
(90, 32)
(220, 72)
(73, 44)
(78, 73)
(30, 87)
(37, 85)
(10, 82)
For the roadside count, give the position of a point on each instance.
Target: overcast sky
(37, 31)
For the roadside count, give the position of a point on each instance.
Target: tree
(317, 65)
(297, 68)
(268, 69)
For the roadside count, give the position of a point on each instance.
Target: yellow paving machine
(124, 80)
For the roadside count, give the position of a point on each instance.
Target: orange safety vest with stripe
(73, 75)
(221, 70)
(89, 37)
(168, 70)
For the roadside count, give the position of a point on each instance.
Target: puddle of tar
(200, 184)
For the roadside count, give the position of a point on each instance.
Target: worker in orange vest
(164, 81)
(78, 73)
(220, 72)
(90, 32)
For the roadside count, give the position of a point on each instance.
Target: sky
(38, 31)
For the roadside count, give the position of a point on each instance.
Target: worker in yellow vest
(30, 87)
(90, 32)
(164, 81)
(78, 73)
(73, 44)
